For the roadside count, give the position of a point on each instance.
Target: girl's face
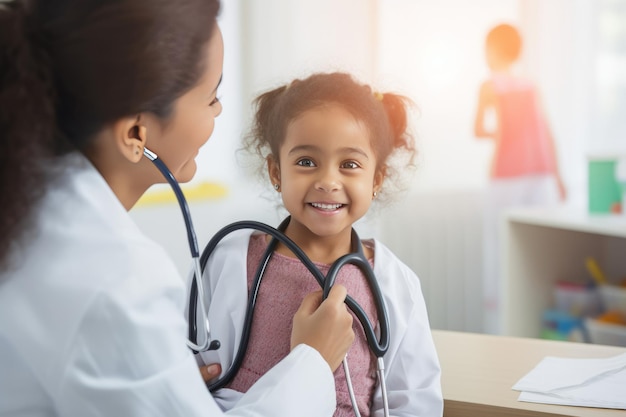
(326, 170)
(178, 139)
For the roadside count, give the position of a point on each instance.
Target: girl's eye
(305, 163)
(215, 101)
(350, 165)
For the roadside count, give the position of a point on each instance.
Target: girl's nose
(327, 182)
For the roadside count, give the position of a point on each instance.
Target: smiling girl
(327, 141)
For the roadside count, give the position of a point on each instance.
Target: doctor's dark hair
(385, 115)
(70, 67)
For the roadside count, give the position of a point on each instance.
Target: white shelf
(572, 219)
(548, 245)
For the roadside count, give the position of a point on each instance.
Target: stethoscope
(196, 304)
(193, 344)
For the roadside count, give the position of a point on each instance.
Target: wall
(431, 51)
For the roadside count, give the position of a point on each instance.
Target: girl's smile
(327, 207)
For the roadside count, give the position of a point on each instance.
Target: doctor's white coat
(92, 324)
(412, 371)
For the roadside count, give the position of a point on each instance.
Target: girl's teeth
(326, 206)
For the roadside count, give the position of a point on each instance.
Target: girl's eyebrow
(301, 148)
(356, 150)
(312, 148)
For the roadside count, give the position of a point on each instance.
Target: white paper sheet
(579, 382)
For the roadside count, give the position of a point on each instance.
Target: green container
(604, 190)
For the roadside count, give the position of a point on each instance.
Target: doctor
(91, 311)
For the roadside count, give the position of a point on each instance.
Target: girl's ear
(130, 137)
(379, 178)
(273, 169)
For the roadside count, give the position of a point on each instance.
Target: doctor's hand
(209, 372)
(325, 326)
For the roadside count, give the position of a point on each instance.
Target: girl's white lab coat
(91, 321)
(412, 371)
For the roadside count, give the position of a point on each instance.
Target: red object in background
(616, 208)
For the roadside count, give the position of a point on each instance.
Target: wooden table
(479, 370)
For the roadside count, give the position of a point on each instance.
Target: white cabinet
(543, 246)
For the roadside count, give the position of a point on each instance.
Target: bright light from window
(441, 65)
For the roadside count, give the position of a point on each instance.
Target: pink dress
(285, 283)
(523, 148)
(521, 176)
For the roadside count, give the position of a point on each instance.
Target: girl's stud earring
(374, 195)
(276, 187)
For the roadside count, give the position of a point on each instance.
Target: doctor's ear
(130, 137)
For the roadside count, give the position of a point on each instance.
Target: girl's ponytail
(27, 122)
(396, 108)
(263, 130)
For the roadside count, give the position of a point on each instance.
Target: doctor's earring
(374, 194)
(137, 153)
(277, 187)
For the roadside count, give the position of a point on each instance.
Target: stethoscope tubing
(378, 347)
(180, 197)
(358, 259)
(192, 340)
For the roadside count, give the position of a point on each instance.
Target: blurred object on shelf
(606, 183)
(612, 317)
(595, 271)
(603, 332)
(577, 299)
(560, 325)
(613, 298)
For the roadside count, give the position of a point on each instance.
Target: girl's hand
(325, 326)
